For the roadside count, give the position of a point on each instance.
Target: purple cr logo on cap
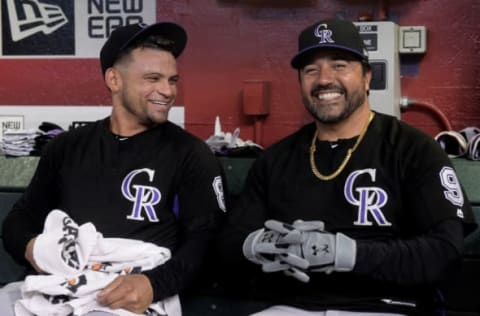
(323, 33)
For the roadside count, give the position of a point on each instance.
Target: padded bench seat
(15, 174)
(462, 300)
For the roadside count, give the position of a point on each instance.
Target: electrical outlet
(412, 39)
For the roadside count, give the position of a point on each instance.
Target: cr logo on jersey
(369, 200)
(143, 197)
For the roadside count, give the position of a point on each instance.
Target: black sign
(38, 28)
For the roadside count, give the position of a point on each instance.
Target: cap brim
(297, 60)
(168, 30)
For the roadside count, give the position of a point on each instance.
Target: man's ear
(112, 79)
(368, 79)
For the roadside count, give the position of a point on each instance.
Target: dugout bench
(461, 295)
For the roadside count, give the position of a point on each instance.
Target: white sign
(10, 122)
(96, 19)
(32, 116)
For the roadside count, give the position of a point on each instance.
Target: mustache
(331, 87)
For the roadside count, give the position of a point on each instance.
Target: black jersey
(162, 186)
(398, 197)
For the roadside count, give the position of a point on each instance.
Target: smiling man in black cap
(133, 175)
(356, 213)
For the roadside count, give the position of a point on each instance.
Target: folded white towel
(80, 263)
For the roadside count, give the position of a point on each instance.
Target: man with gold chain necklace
(357, 213)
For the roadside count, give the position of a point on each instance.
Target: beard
(141, 112)
(326, 114)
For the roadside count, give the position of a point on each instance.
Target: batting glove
(305, 246)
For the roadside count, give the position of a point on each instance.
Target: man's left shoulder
(396, 131)
(176, 131)
(183, 139)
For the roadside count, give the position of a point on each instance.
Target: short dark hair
(152, 41)
(131, 35)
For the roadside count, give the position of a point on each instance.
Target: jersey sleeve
(436, 216)
(432, 190)
(200, 209)
(247, 214)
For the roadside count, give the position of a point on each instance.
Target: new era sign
(66, 28)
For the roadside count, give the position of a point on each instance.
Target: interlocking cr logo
(324, 34)
(144, 197)
(28, 17)
(368, 199)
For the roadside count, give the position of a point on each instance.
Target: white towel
(80, 263)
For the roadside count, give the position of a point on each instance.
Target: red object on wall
(256, 99)
(256, 103)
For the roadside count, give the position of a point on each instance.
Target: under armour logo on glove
(298, 248)
(316, 250)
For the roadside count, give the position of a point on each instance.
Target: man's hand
(132, 292)
(298, 248)
(29, 255)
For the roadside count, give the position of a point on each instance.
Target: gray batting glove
(305, 246)
(264, 236)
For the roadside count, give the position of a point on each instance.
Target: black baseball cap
(122, 37)
(338, 34)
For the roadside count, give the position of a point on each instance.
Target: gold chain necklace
(350, 151)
